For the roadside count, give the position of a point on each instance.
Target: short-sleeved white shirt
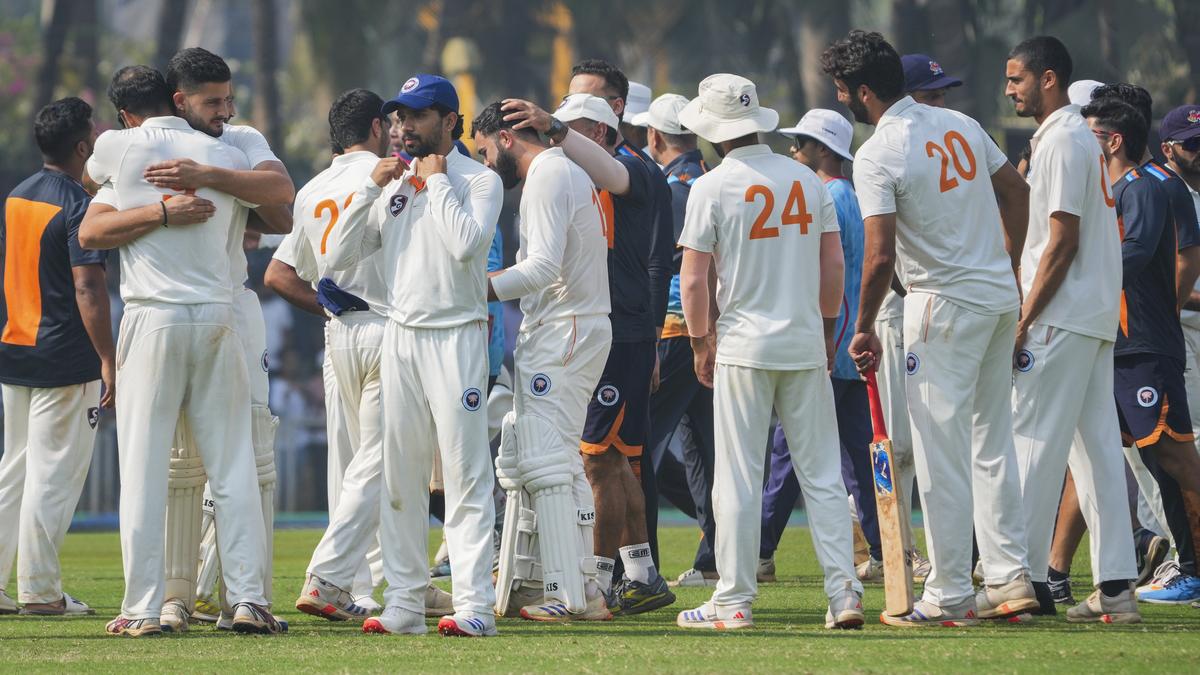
(1067, 173)
(257, 150)
(183, 264)
(931, 167)
(562, 265)
(744, 212)
(317, 209)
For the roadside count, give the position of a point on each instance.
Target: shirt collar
(167, 122)
(898, 108)
(356, 156)
(689, 157)
(749, 151)
(1055, 118)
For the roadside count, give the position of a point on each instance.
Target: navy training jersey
(1149, 322)
(43, 342)
(639, 249)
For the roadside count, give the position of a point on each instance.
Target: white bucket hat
(826, 126)
(1080, 91)
(586, 107)
(663, 114)
(636, 103)
(727, 108)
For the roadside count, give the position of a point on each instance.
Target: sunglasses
(1190, 145)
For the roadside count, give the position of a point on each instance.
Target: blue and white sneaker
(1181, 590)
(708, 617)
(467, 625)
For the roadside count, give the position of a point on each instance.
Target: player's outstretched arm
(266, 184)
(283, 279)
(466, 229)
(1012, 195)
(104, 227)
(604, 170)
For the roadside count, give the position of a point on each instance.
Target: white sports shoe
(708, 617)
(173, 617)
(869, 570)
(468, 625)
(251, 618)
(368, 603)
(328, 601)
(7, 604)
(845, 609)
(694, 578)
(396, 621)
(1164, 574)
(438, 602)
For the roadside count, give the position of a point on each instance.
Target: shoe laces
(1167, 572)
(1179, 579)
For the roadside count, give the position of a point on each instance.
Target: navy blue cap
(422, 91)
(1180, 124)
(922, 73)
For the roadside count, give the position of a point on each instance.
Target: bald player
(928, 182)
(755, 214)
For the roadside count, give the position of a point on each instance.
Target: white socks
(639, 565)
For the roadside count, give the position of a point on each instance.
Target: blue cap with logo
(421, 91)
(1180, 124)
(922, 72)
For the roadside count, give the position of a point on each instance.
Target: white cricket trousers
(185, 358)
(252, 329)
(892, 397)
(433, 398)
(49, 434)
(353, 343)
(1062, 387)
(742, 402)
(959, 366)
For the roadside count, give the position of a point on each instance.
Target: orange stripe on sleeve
(26, 221)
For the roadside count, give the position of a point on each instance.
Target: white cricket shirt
(317, 210)
(182, 264)
(257, 150)
(434, 239)
(762, 215)
(931, 167)
(1067, 173)
(562, 265)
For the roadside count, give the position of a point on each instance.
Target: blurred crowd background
(291, 58)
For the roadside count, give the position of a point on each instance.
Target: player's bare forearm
(1187, 271)
(1012, 196)
(694, 291)
(879, 268)
(104, 227)
(91, 297)
(282, 278)
(833, 272)
(1052, 269)
(274, 219)
(604, 170)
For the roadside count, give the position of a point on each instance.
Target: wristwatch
(557, 131)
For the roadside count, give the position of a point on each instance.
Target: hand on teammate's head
(526, 114)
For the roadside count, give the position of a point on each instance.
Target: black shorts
(618, 414)
(1151, 399)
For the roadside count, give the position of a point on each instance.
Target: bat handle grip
(877, 422)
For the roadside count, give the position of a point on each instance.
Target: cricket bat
(897, 568)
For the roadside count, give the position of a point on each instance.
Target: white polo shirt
(1067, 173)
(931, 167)
(562, 265)
(257, 150)
(316, 212)
(434, 239)
(183, 264)
(762, 215)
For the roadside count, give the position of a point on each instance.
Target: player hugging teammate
(1014, 358)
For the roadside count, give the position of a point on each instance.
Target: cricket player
(562, 279)
(1065, 338)
(434, 224)
(1150, 392)
(928, 182)
(57, 366)
(752, 216)
(202, 94)
(178, 354)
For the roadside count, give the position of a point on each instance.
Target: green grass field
(789, 635)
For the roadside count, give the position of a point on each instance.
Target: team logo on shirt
(540, 384)
(409, 85)
(265, 362)
(608, 396)
(472, 399)
(936, 68)
(1023, 361)
(1147, 396)
(745, 99)
(912, 363)
(93, 417)
(398, 204)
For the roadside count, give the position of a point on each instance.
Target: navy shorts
(618, 414)
(1151, 399)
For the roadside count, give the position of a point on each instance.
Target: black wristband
(163, 203)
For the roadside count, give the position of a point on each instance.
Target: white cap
(586, 107)
(1080, 92)
(637, 102)
(727, 108)
(826, 126)
(663, 114)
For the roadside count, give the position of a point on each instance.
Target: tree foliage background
(292, 57)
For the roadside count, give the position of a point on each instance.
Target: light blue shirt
(495, 262)
(851, 223)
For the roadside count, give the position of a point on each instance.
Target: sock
(639, 566)
(1114, 588)
(604, 573)
(1055, 575)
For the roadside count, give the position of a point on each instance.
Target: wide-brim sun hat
(726, 107)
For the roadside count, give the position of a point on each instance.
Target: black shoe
(637, 597)
(1046, 606)
(1151, 551)
(1060, 591)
